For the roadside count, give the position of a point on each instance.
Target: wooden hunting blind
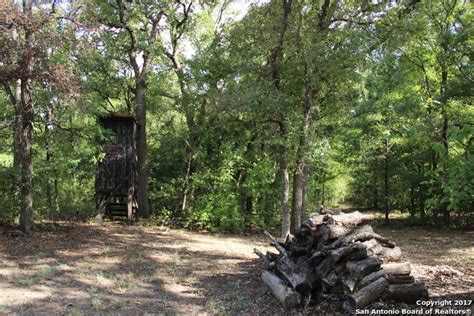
(115, 182)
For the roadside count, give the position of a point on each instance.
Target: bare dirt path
(117, 269)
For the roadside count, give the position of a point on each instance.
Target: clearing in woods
(84, 269)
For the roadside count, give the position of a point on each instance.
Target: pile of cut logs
(337, 254)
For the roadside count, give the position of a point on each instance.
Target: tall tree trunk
(298, 175)
(188, 193)
(444, 136)
(274, 67)
(49, 154)
(26, 210)
(17, 124)
(297, 196)
(323, 188)
(385, 177)
(285, 188)
(17, 127)
(193, 137)
(142, 150)
(304, 193)
(26, 131)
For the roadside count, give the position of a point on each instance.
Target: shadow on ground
(118, 269)
(83, 269)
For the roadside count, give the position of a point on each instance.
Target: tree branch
(9, 91)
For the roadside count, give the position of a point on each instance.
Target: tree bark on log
(369, 278)
(359, 232)
(350, 219)
(401, 279)
(267, 263)
(386, 253)
(368, 294)
(295, 275)
(283, 293)
(328, 232)
(276, 244)
(339, 253)
(358, 269)
(407, 293)
(403, 268)
(344, 219)
(324, 267)
(390, 254)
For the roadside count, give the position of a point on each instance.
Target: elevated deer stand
(115, 182)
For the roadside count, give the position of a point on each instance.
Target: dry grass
(89, 269)
(117, 269)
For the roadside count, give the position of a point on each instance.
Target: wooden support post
(129, 203)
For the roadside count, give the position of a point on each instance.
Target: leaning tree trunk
(142, 150)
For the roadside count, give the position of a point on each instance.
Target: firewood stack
(338, 255)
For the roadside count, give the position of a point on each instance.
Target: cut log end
(368, 294)
(402, 268)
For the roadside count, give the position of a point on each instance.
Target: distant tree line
(242, 123)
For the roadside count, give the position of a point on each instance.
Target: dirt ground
(77, 269)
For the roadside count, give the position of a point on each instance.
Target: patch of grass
(75, 312)
(27, 281)
(64, 267)
(96, 302)
(25, 309)
(231, 295)
(239, 305)
(118, 304)
(108, 250)
(122, 284)
(49, 296)
(156, 281)
(101, 278)
(44, 253)
(48, 273)
(86, 268)
(5, 309)
(216, 307)
(233, 292)
(167, 313)
(92, 290)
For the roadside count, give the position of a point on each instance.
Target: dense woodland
(249, 115)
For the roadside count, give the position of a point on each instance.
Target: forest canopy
(249, 114)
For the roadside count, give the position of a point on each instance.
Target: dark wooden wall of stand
(116, 173)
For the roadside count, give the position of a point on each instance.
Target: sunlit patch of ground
(113, 268)
(117, 269)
